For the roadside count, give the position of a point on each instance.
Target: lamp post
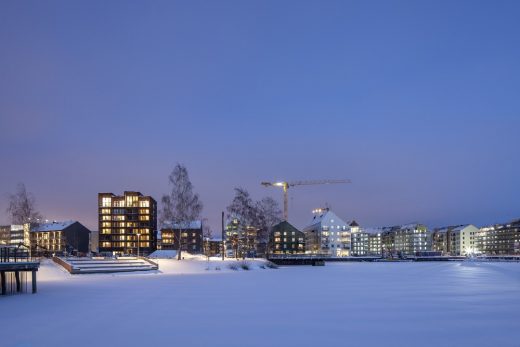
(138, 244)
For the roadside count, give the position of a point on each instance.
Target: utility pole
(138, 244)
(223, 239)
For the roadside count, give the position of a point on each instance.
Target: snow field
(345, 304)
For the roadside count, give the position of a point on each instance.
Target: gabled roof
(354, 224)
(285, 226)
(54, 226)
(326, 217)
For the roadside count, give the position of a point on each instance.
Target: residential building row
(327, 234)
(128, 225)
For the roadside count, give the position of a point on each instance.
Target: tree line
(180, 207)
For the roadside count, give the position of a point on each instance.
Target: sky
(417, 102)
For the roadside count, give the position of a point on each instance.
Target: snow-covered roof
(54, 226)
(372, 230)
(325, 218)
(452, 228)
(410, 226)
(196, 224)
(442, 230)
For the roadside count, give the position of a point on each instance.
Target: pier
(15, 268)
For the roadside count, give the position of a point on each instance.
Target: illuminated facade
(459, 240)
(374, 243)
(213, 247)
(11, 235)
(366, 242)
(499, 239)
(327, 234)
(126, 220)
(57, 238)
(242, 241)
(190, 237)
(405, 240)
(286, 239)
(359, 244)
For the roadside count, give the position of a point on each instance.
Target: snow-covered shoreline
(369, 304)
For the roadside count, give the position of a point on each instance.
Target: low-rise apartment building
(458, 240)
(499, 239)
(69, 237)
(327, 234)
(50, 238)
(406, 239)
(190, 237)
(286, 239)
(242, 240)
(366, 242)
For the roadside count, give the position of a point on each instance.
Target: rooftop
(54, 226)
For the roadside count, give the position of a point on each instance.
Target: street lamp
(138, 244)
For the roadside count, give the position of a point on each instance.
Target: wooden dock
(15, 273)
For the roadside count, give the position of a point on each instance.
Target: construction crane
(286, 185)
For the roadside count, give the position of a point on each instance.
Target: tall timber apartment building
(126, 220)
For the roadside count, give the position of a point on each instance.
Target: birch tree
(261, 215)
(181, 206)
(268, 214)
(22, 206)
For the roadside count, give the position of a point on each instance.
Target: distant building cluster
(329, 235)
(128, 226)
(48, 238)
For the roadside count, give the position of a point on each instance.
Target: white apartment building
(456, 240)
(328, 234)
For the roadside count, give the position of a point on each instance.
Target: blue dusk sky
(417, 102)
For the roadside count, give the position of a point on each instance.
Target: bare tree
(255, 219)
(206, 237)
(242, 207)
(22, 206)
(182, 206)
(243, 210)
(268, 214)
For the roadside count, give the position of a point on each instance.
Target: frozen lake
(342, 304)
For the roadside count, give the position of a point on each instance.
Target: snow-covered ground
(341, 304)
